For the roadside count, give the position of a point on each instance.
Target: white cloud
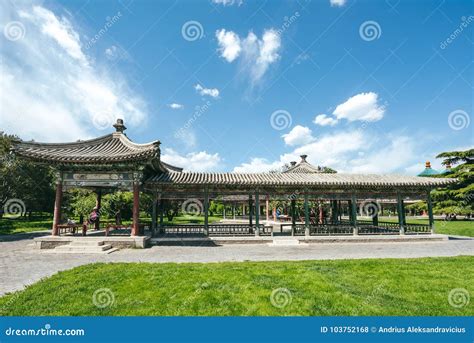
(363, 106)
(50, 89)
(229, 44)
(257, 54)
(258, 165)
(213, 92)
(194, 161)
(395, 154)
(324, 120)
(228, 2)
(299, 135)
(337, 3)
(176, 106)
(356, 151)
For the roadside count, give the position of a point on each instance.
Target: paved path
(21, 264)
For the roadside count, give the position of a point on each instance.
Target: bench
(70, 228)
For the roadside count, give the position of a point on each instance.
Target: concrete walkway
(21, 264)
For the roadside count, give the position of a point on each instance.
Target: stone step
(83, 248)
(80, 251)
(85, 242)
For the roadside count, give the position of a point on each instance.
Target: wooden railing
(217, 229)
(363, 227)
(417, 229)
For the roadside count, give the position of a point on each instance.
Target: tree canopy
(457, 197)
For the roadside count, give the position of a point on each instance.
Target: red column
(136, 209)
(97, 205)
(321, 214)
(57, 208)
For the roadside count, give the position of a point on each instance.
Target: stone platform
(51, 242)
(170, 240)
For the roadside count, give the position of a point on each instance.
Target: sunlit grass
(308, 288)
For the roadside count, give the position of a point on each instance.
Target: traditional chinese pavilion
(114, 162)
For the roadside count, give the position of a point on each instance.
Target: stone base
(50, 242)
(301, 239)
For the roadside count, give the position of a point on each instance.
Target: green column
(293, 216)
(306, 214)
(430, 212)
(154, 214)
(257, 213)
(334, 213)
(161, 212)
(375, 218)
(206, 212)
(401, 222)
(353, 210)
(250, 210)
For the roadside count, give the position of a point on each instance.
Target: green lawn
(457, 228)
(415, 287)
(14, 226)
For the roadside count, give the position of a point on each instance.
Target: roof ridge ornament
(119, 126)
(303, 158)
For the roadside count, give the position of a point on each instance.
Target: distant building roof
(304, 167)
(428, 170)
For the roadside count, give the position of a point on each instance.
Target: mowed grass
(455, 228)
(415, 287)
(9, 226)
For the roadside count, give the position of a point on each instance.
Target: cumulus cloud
(229, 44)
(257, 54)
(194, 161)
(353, 151)
(324, 120)
(363, 106)
(258, 165)
(299, 135)
(176, 106)
(337, 3)
(51, 89)
(212, 92)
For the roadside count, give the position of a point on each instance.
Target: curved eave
(110, 149)
(296, 180)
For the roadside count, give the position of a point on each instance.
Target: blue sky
(359, 86)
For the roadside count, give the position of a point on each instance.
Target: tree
(457, 197)
(29, 185)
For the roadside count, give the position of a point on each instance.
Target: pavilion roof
(113, 148)
(303, 167)
(295, 179)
